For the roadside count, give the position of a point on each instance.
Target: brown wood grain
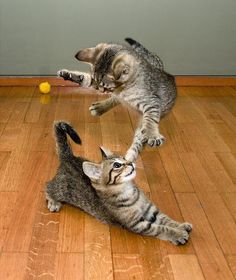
(190, 178)
(13, 266)
(8, 200)
(71, 230)
(221, 220)
(69, 266)
(197, 174)
(128, 267)
(21, 227)
(216, 172)
(42, 250)
(228, 160)
(175, 169)
(208, 250)
(232, 263)
(230, 202)
(97, 251)
(179, 263)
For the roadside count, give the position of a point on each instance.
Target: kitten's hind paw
(54, 206)
(181, 237)
(186, 226)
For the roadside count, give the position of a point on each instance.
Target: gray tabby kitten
(134, 76)
(106, 190)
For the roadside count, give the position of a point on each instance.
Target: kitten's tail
(61, 129)
(149, 56)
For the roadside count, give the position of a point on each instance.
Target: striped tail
(150, 57)
(61, 129)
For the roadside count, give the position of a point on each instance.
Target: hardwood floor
(191, 177)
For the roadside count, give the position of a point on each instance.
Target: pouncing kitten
(107, 191)
(133, 76)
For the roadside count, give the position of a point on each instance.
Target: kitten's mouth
(106, 90)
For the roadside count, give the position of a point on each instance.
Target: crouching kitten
(107, 191)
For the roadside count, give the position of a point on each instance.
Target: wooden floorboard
(191, 177)
(181, 80)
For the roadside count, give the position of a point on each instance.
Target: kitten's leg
(53, 205)
(150, 127)
(163, 219)
(136, 146)
(84, 79)
(175, 235)
(154, 223)
(101, 107)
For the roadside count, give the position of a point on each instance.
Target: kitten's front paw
(186, 226)
(180, 238)
(152, 139)
(64, 73)
(97, 109)
(71, 76)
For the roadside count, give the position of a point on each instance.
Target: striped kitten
(134, 76)
(106, 190)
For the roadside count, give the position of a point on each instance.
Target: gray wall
(37, 37)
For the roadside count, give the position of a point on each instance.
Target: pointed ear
(120, 69)
(90, 55)
(92, 170)
(86, 55)
(105, 152)
(122, 66)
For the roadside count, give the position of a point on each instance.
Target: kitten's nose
(101, 89)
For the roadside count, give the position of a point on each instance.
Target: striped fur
(107, 191)
(133, 76)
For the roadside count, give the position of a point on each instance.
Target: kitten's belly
(164, 98)
(166, 106)
(90, 203)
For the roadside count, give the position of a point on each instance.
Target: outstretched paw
(181, 237)
(70, 76)
(97, 109)
(186, 226)
(151, 139)
(65, 74)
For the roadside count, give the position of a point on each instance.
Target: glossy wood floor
(191, 177)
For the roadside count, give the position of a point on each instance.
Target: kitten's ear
(105, 152)
(92, 170)
(90, 55)
(122, 66)
(120, 69)
(86, 55)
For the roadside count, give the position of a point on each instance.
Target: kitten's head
(113, 169)
(112, 65)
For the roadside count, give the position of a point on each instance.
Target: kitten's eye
(117, 165)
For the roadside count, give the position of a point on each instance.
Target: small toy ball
(44, 87)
